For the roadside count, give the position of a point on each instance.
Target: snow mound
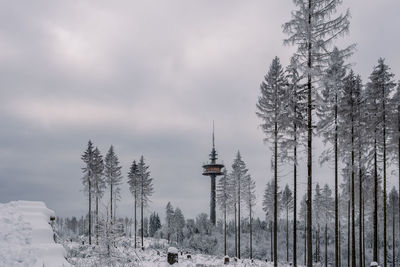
(26, 236)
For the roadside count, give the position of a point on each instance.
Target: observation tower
(213, 169)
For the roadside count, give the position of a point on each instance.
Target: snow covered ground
(26, 237)
(152, 257)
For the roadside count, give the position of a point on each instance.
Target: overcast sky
(149, 77)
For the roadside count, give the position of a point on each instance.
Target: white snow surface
(26, 236)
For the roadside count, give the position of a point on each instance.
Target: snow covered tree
(294, 127)
(287, 204)
(327, 111)
(223, 199)
(249, 197)
(313, 29)
(99, 185)
(155, 224)
(169, 220)
(112, 172)
(270, 108)
(238, 176)
(145, 188)
(89, 159)
(379, 90)
(133, 183)
(349, 115)
(179, 223)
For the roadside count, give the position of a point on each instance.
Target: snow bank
(26, 237)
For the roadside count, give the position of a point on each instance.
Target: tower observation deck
(213, 169)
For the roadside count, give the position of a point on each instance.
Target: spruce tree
(313, 29)
(133, 183)
(145, 189)
(270, 108)
(379, 90)
(112, 173)
(88, 158)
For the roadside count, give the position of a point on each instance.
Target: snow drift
(26, 236)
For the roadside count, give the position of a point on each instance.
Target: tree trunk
(360, 226)
(375, 255)
(238, 219)
(136, 225)
(340, 246)
(275, 193)
(309, 145)
(384, 182)
(111, 203)
(398, 153)
(353, 231)
(251, 235)
(326, 245)
(141, 217)
(337, 251)
(287, 233)
(236, 239)
(225, 230)
(348, 233)
(97, 220)
(90, 212)
(295, 197)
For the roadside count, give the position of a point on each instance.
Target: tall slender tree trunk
(340, 246)
(275, 193)
(236, 237)
(375, 255)
(348, 232)
(287, 233)
(141, 216)
(353, 230)
(337, 252)
(309, 144)
(360, 226)
(326, 245)
(384, 182)
(90, 212)
(111, 203)
(295, 195)
(97, 219)
(238, 219)
(225, 229)
(136, 225)
(398, 153)
(363, 232)
(251, 234)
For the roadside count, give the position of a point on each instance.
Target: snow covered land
(81, 255)
(26, 236)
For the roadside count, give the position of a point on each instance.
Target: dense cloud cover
(149, 77)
